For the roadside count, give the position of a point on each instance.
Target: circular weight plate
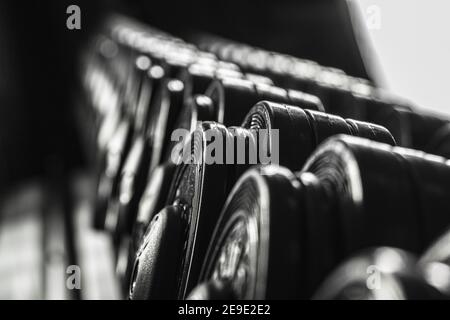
(195, 187)
(298, 131)
(158, 258)
(322, 241)
(152, 201)
(256, 245)
(292, 141)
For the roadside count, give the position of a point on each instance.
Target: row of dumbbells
(239, 230)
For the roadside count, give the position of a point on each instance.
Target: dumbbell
(195, 183)
(377, 274)
(435, 264)
(352, 194)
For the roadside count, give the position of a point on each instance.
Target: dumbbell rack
(167, 223)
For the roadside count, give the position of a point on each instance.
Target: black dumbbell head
(158, 257)
(301, 131)
(195, 188)
(256, 246)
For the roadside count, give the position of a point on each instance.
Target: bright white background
(412, 46)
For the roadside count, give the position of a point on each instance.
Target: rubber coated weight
(292, 215)
(301, 131)
(152, 201)
(256, 243)
(157, 259)
(190, 189)
(383, 172)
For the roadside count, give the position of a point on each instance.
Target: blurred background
(402, 45)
